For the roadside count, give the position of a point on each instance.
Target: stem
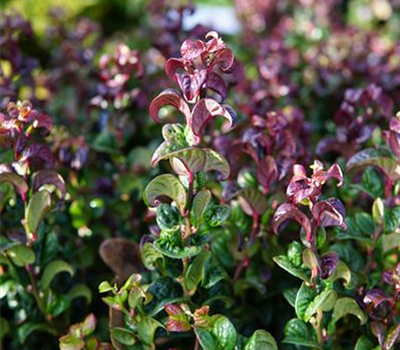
(370, 260)
(35, 290)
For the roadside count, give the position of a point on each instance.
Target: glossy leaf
(297, 332)
(123, 336)
(304, 298)
(260, 340)
(21, 255)
(169, 97)
(224, 333)
(52, 270)
(284, 262)
(49, 177)
(200, 203)
(187, 161)
(196, 271)
(324, 301)
(150, 255)
(165, 185)
(37, 207)
(177, 252)
(216, 162)
(147, 328)
(345, 306)
(17, 181)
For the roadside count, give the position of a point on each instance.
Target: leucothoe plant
(39, 189)
(179, 297)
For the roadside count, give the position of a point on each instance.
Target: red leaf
(169, 97)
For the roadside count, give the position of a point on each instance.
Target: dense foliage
(163, 188)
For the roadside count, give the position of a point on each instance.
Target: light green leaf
(216, 162)
(196, 271)
(284, 262)
(71, 342)
(324, 301)
(304, 297)
(200, 203)
(224, 333)
(177, 252)
(150, 255)
(346, 306)
(146, 329)
(123, 336)
(261, 340)
(21, 255)
(165, 185)
(297, 332)
(341, 272)
(38, 205)
(52, 270)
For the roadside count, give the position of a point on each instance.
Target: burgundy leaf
(330, 212)
(377, 304)
(224, 59)
(327, 264)
(190, 50)
(289, 211)
(173, 310)
(217, 84)
(378, 331)
(169, 97)
(172, 65)
(47, 176)
(267, 172)
(177, 325)
(191, 84)
(37, 151)
(208, 108)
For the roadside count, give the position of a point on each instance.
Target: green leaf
(25, 330)
(105, 287)
(284, 262)
(21, 255)
(123, 336)
(167, 216)
(378, 158)
(216, 215)
(52, 270)
(17, 181)
(290, 295)
(177, 252)
(150, 255)
(372, 183)
(80, 291)
(38, 205)
(224, 333)
(324, 301)
(304, 297)
(205, 338)
(216, 162)
(378, 211)
(346, 306)
(297, 332)
(341, 272)
(365, 223)
(187, 161)
(165, 185)
(4, 328)
(147, 328)
(261, 340)
(196, 271)
(200, 203)
(363, 343)
(71, 342)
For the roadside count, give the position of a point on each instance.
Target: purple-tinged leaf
(47, 176)
(207, 109)
(169, 97)
(191, 84)
(252, 201)
(267, 172)
(378, 330)
(377, 304)
(330, 212)
(188, 161)
(37, 151)
(327, 264)
(165, 185)
(224, 59)
(378, 158)
(172, 65)
(177, 325)
(216, 162)
(217, 84)
(289, 211)
(392, 337)
(6, 175)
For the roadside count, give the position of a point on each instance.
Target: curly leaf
(17, 181)
(51, 177)
(169, 97)
(177, 252)
(377, 158)
(52, 270)
(187, 161)
(261, 340)
(165, 185)
(346, 306)
(38, 205)
(215, 162)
